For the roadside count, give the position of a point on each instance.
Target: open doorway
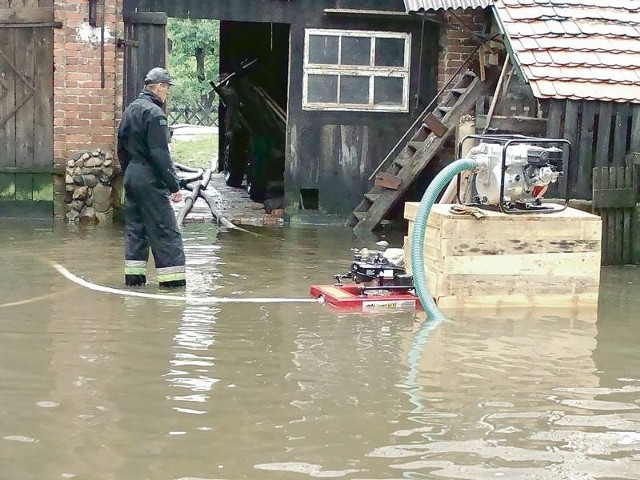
(253, 85)
(237, 71)
(193, 48)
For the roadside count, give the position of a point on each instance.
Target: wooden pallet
(435, 129)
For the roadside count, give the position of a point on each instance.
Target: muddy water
(102, 386)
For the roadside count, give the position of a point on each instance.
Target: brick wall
(85, 110)
(456, 43)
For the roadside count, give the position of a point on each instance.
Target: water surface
(102, 386)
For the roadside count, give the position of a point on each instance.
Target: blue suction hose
(440, 182)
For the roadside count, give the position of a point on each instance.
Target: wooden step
(435, 125)
(414, 145)
(372, 197)
(359, 215)
(387, 180)
(403, 161)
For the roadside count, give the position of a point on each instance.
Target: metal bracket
(123, 42)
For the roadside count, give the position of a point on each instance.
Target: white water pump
(515, 175)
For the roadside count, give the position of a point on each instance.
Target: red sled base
(360, 297)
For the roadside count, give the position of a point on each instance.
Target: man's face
(163, 91)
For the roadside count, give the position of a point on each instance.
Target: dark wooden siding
(603, 134)
(604, 168)
(146, 34)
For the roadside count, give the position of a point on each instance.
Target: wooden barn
(352, 77)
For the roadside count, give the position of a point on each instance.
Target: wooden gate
(615, 192)
(26, 108)
(146, 47)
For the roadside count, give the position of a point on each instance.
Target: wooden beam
(614, 198)
(351, 12)
(54, 170)
(620, 131)
(635, 128)
(147, 18)
(571, 128)
(32, 25)
(584, 150)
(556, 112)
(25, 15)
(529, 126)
(604, 134)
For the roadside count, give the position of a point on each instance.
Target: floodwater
(97, 385)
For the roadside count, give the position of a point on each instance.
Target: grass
(197, 152)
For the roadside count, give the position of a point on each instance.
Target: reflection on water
(103, 386)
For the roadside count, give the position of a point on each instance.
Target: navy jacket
(143, 136)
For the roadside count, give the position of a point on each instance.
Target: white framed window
(356, 70)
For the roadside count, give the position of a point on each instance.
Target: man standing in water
(149, 182)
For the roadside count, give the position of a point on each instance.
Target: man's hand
(176, 196)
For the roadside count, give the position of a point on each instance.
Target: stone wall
(89, 194)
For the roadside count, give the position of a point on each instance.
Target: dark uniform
(149, 176)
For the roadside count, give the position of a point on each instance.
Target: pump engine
(515, 175)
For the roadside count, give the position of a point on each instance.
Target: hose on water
(440, 182)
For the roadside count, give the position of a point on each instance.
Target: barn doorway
(253, 86)
(252, 92)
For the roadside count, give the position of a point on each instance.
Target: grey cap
(158, 75)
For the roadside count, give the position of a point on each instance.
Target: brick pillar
(456, 42)
(86, 111)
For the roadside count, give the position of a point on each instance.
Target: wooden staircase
(431, 133)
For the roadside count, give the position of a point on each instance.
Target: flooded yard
(97, 385)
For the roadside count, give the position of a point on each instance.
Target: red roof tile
(578, 49)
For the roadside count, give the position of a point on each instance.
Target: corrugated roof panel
(431, 5)
(577, 49)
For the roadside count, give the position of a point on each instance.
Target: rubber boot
(173, 283)
(135, 280)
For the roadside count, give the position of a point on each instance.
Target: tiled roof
(430, 5)
(578, 49)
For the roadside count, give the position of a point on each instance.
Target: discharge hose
(440, 181)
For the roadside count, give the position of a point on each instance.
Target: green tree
(193, 60)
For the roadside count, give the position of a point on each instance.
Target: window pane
(389, 52)
(323, 49)
(354, 89)
(356, 51)
(388, 91)
(322, 88)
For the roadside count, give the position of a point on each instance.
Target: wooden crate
(532, 260)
